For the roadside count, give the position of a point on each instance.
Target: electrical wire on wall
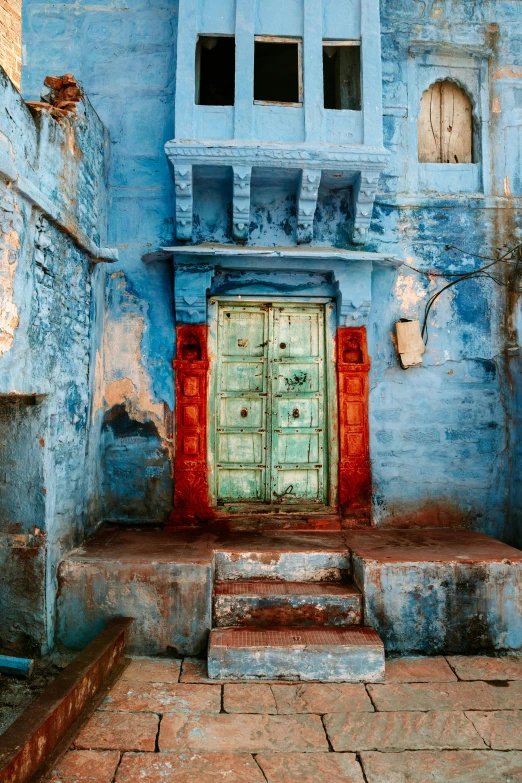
(513, 254)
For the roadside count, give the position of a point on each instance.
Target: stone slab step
(313, 565)
(266, 603)
(354, 654)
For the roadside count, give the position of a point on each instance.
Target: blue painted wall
(51, 302)
(440, 433)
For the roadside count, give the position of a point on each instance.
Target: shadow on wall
(138, 486)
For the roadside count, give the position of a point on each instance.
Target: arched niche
(445, 125)
(191, 348)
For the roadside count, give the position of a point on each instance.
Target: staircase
(290, 616)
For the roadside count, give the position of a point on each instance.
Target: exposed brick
(310, 768)
(501, 730)
(118, 731)
(152, 670)
(457, 766)
(85, 766)
(242, 733)
(482, 667)
(401, 731)
(419, 670)
(446, 696)
(251, 698)
(321, 698)
(188, 768)
(128, 696)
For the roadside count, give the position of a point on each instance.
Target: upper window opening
(342, 75)
(445, 125)
(215, 70)
(277, 71)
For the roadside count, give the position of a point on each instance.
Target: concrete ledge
(32, 738)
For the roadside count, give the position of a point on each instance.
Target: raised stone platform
(439, 590)
(428, 591)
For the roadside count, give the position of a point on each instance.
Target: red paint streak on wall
(191, 365)
(353, 366)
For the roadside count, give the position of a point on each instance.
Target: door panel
(246, 485)
(270, 430)
(298, 428)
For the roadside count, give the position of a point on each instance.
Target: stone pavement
(434, 720)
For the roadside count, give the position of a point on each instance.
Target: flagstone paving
(433, 720)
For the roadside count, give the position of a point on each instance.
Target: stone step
(269, 603)
(353, 654)
(299, 565)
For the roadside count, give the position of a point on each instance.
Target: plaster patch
(508, 73)
(119, 392)
(409, 293)
(8, 309)
(496, 107)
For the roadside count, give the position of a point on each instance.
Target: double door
(270, 430)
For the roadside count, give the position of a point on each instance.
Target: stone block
(169, 601)
(243, 733)
(251, 698)
(128, 696)
(268, 603)
(483, 667)
(85, 766)
(152, 670)
(327, 654)
(321, 565)
(188, 768)
(321, 698)
(501, 730)
(457, 766)
(118, 731)
(417, 669)
(446, 696)
(439, 590)
(394, 731)
(310, 768)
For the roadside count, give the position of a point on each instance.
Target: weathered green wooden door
(270, 434)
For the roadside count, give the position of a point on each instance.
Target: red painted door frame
(353, 366)
(191, 366)
(191, 492)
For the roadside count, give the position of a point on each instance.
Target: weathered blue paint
(435, 455)
(53, 217)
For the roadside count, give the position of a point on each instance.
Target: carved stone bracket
(184, 201)
(241, 202)
(307, 203)
(364, 191)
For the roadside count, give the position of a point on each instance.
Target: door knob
(296, 413)
(282, 346)
(244, 413)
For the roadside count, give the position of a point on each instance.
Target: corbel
(184, 201)
(241, 202)
(310, 180)
(364, 191)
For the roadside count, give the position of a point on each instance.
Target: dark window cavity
(215, 70)
(277, 71)
(342, 76)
